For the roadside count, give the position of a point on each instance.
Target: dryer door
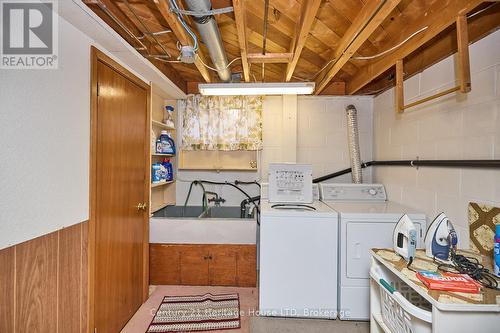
(361, 236)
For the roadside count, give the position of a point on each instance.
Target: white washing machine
(366, 220)
(298, 261)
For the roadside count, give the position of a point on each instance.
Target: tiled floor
(141, 320)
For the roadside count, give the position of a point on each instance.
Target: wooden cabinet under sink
(203, 265)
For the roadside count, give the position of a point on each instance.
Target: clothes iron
(405, 239)
(440, 238)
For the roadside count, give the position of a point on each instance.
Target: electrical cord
(307, 79)
(176, 9)
(471, 266)
(237, 182)
(408, 265)
(392, 48)
(482, 10)
(215, 69)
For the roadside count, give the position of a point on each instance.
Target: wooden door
(222, 266)
(194, 265)
(120, 150)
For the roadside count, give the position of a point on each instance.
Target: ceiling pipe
(210, 35)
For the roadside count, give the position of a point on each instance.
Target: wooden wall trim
(43, 283)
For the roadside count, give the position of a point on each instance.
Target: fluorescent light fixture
(272, 88)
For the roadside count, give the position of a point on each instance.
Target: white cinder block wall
(453, 127)
(322, 134)
(321, 140)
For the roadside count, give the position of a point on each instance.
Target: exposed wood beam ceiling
(241, 27)
(183, 37)
(309, 10)
(437, 20)
(331, 42)
(269, 58)
(440, 47)
(366, 22)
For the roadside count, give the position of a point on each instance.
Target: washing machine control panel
(353, 192)
(290, 183)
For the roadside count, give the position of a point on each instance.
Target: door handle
(141, 206)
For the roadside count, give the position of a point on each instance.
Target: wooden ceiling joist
(442, 46)
(437, 21)
(241, 27)
(366, 22)
(312, 31)
(152, 47)
(183, 37)
(309, 11)
(124, 20)
(269, 58)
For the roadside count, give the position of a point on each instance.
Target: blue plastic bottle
(496, 251)
(169, 170)
(156, 173)
(167, 143)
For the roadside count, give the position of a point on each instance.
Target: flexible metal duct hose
(209, 32)
(353, 137)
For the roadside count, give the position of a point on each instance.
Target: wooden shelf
(157, 207)
(163, 193)
(162, 125)
(153, 185)
(217, 169)
(162, 155)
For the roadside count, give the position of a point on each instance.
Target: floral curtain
(222, 123)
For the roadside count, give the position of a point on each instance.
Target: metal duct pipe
(209, 31)
(353, 138)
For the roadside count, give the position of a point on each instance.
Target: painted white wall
(453, 127)
(45, 140)
(45, 135)
(314, 131)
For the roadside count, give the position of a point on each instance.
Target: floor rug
(197, 313)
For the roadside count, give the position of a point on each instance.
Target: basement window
(221, 132)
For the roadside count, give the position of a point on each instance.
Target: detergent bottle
(167, 145)
(156, 173)
(169, 174)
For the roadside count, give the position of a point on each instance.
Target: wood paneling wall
(43, 283)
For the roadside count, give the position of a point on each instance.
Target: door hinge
(95, 329)
(98, 96)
